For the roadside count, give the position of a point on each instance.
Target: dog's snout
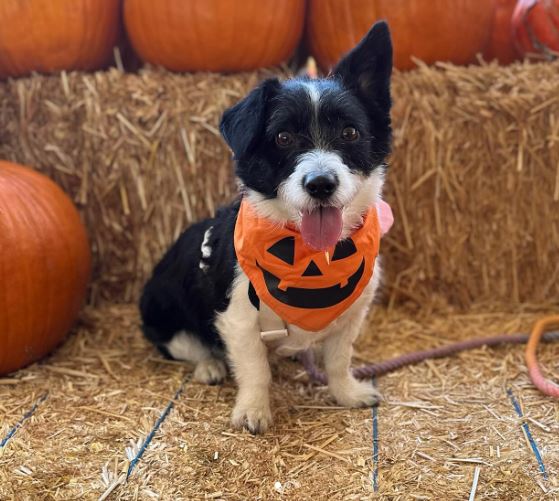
(320, 185)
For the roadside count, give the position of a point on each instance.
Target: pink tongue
(321, 228)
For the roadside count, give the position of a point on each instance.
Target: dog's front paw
(352, 393)
(210, 371)
(255, 419)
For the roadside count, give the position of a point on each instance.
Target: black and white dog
(300, 146)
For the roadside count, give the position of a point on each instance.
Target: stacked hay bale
(475, 185)
(474, 180)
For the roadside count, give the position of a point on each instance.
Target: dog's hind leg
(170, 323)
(209, 367)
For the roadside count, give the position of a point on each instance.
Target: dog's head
(312, 152)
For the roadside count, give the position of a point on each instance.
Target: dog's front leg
(252, 373)
(338, 349)
(248, 356)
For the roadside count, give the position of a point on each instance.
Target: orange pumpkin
(214, 35)
(501, 44)
(44, 265)
(433, 30)
(536, 27)
(51, 35)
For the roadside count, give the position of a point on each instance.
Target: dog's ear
(243, 124)
(366, 69)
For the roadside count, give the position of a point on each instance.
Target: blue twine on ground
(153, 431)
(526, 429)
(25, 417)
(374, 410)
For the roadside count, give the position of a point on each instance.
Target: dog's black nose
(320, 185)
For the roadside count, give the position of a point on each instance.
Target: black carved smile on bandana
(312, 298)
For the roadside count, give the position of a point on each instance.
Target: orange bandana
(305, 287)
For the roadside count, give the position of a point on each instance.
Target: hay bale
(475, 185)
(474, 179)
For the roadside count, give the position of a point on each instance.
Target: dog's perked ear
(366, 69)
(243, 124)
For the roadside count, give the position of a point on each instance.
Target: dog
(310, 158)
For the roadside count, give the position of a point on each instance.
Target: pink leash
(373, 370)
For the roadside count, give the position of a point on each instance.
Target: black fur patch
(181, 296)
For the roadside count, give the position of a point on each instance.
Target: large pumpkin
(430, 30)
(214, 35)
(51, 35)
(44, 265)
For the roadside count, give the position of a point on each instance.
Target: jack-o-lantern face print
(308, 294)
(304, 287)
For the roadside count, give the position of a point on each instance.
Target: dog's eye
(350, 134)
(284, 139)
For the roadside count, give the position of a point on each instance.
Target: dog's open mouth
(322, 227)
